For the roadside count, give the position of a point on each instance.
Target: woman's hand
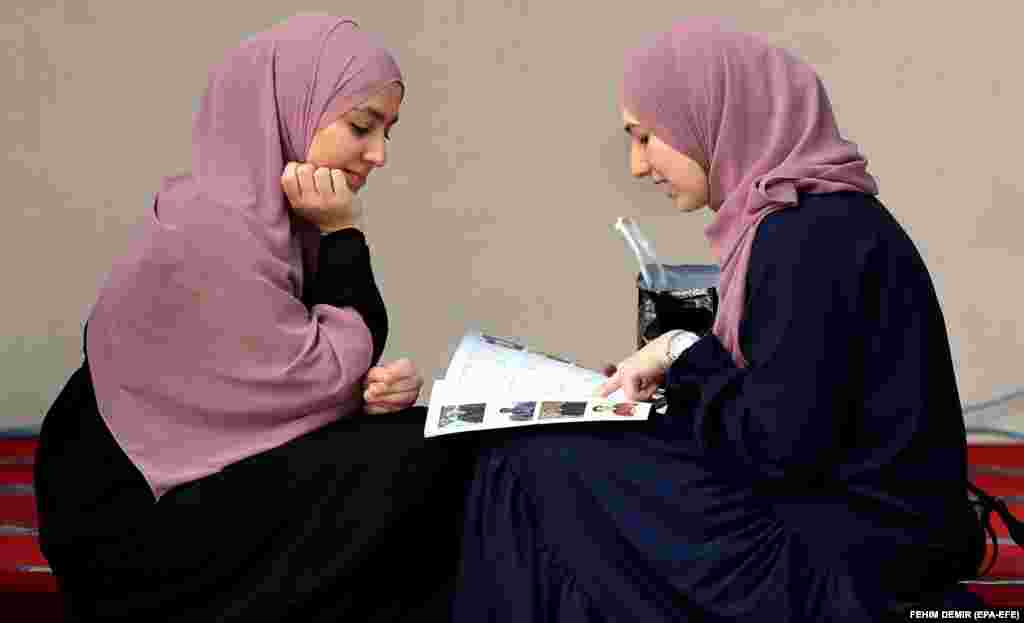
(639, 374)
(321, 196)
(391, 387)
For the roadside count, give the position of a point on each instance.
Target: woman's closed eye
(638, 135)
(362, 131)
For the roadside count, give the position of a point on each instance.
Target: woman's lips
(355, 181)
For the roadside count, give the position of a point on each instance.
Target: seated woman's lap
(325, 508)
(647, 529)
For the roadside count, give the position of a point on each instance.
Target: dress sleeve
(783, 415)
(345, 278)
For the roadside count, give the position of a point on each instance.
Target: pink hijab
(200, 348)
(759, 122)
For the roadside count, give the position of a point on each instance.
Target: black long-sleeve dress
(358, 520)
(825, 482)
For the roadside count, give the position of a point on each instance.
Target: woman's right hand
(321, 196)
(639, 375)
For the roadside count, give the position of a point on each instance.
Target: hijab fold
(200, 348)
(758, 121)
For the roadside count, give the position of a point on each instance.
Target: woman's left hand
(391, 387)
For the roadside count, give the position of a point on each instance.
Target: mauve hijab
(759, 122)
(201, 350)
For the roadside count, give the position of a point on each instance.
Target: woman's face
(683, 179)
(355, 142)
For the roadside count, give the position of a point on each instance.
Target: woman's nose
(638, 164)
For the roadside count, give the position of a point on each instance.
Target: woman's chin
(685, 203)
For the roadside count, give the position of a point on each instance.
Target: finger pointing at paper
(639, 375)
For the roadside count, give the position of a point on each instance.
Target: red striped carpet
(28, 589)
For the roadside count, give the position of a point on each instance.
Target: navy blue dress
(825, 482)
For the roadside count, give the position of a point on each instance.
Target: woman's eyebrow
(376, 113)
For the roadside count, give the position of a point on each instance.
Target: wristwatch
(677, 344)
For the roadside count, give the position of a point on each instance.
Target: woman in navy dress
(811, 464)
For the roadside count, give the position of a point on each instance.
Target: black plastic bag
(690, 302)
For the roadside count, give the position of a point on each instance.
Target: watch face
(679, 343)
(677, 348)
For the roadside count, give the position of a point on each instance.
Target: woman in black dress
(231, 449)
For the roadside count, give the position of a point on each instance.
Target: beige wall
(509, 166)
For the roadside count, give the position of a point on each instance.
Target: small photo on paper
(553, 409)
(472, 413)
(499, 341)
(625, 409)
(520, 411)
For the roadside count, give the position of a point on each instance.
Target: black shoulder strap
(984, 504)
